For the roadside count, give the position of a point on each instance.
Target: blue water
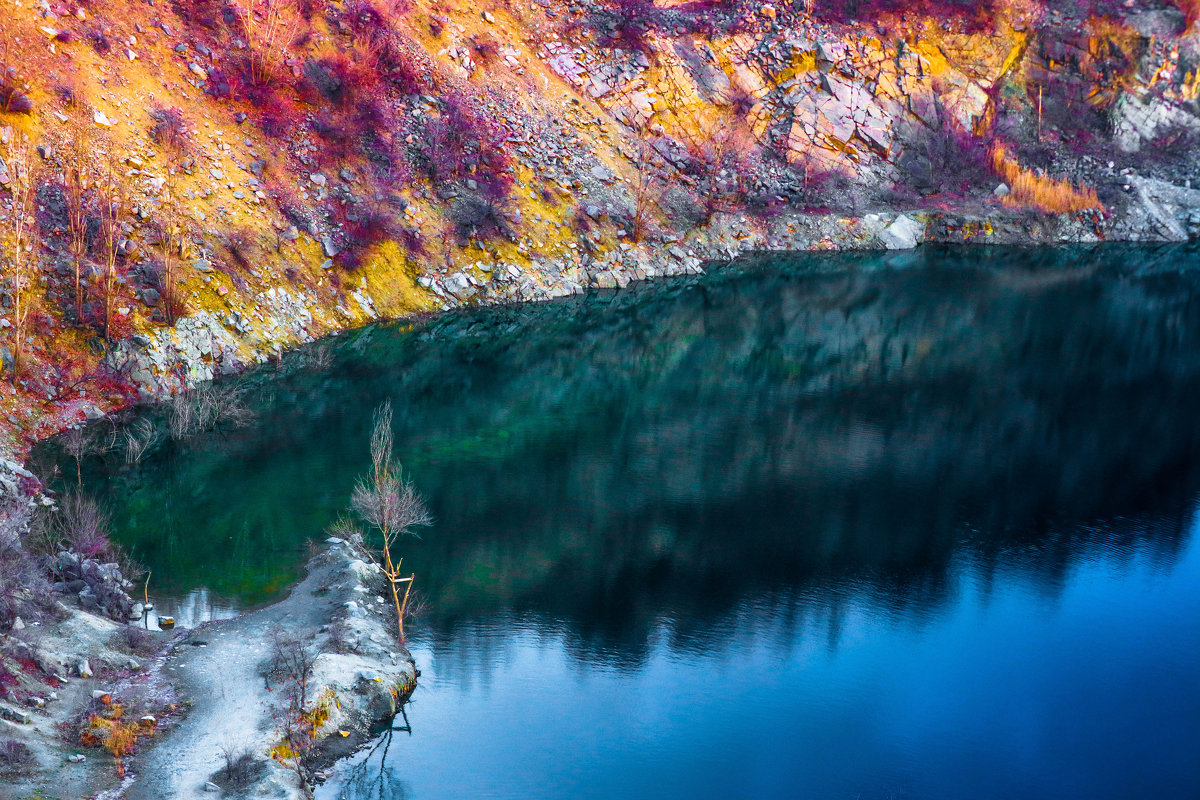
(864, 526)
(1008, 692)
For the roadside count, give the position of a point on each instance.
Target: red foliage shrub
(168, 130)
(338, 79)
(204, 14)
(971, 14)
(12, 99)
(365, 230)
(95, 36)
(462, 143)
(242, 247)
(220, 86)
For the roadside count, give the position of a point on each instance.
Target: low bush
(243, 247)
(168, 130)
(369, 228)
(973, 15)
(97, 39)
(137, 641)
(81, 526)
(241, 771)
(16, 758)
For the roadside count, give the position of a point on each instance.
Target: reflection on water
(1006, 693)
(198, 606)
(891, 525)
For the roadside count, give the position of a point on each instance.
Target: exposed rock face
(561, 147)
(100, 587)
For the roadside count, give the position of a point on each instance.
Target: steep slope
(222, 180)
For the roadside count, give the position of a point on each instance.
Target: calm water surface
(877, 526)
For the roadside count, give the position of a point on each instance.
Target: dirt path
(219, 669)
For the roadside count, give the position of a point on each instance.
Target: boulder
(904, 233)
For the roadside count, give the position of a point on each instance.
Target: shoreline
(173, 775)
(207, 691)
(360, 675)
(200, 348)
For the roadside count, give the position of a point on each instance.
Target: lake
(906, 525)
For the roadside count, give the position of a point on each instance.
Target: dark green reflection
(858, 419)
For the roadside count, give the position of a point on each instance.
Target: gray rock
(904, 233)
(459, 285)
(15, 715)
(329, 247)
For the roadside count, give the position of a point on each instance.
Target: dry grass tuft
(1048, 194)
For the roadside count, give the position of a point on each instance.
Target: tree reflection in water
(374, 775)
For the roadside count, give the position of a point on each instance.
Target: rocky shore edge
(256, 728)
(173, 666)
(218, 710)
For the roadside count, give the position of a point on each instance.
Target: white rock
(903, 234)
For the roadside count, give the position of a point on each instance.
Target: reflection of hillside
(676, 448)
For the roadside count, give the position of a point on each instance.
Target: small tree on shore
(20, 262)
(390, 504)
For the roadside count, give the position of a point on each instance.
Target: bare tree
(21, 263)
(645, 194)
(173, 249)
(390, 504)
(80, 525)
(111, 207)
(78, 444)
(173, 242)
(76, 197)
(293, 658)
(21, 580)
(726, 166)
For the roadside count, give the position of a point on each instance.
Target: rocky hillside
(193, 185)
